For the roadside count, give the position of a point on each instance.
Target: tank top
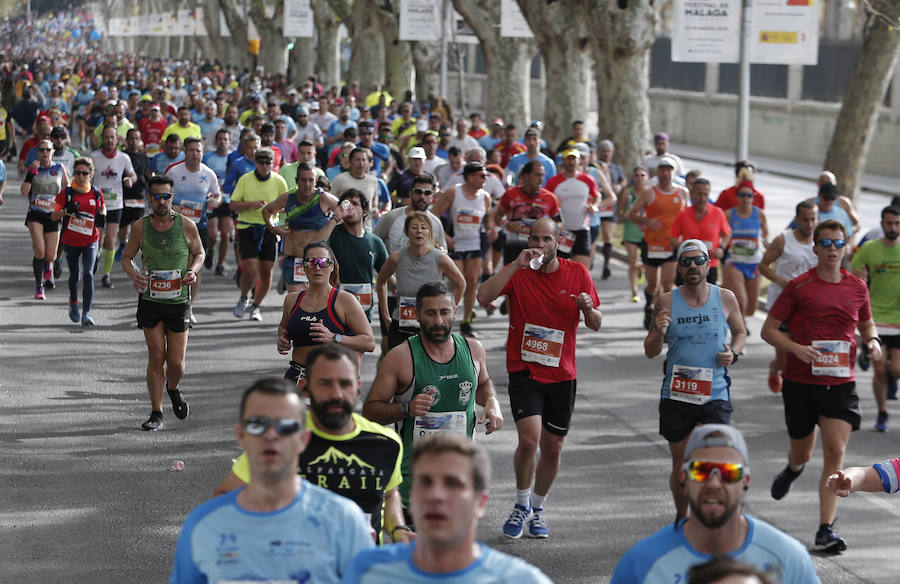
(300, 320)
(745, 245)
(304, 216)
(453, 408)
(664, 208)
(467, 215)
(795, 259)
(45, 185)
(164, 256)
(837, 212)
(695, 335)
(633, 232)
(412, 272)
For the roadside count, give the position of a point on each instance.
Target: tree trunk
(508, 62)
(563, 42)
(237, 26)
(620, 46)
(327, 64)
(853, 130)
(398, 54)
(302, 60)
(427, 57)
(271, 33)
(367, 61)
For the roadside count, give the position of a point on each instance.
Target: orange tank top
(664, 208)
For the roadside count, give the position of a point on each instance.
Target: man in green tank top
(171, 255)
(426, 384)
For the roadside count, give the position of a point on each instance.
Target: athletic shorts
(204, 236)
(654, 262)
(175, 317)
(608, 219)
(462, 256)
(295, 372)
(497, 244)
(287, 272)
(582, 245)
(595, 233)
(130, 215)
(678, 419)
(397, 336)
(554, 402)
(250, 248)
(223, 210)
(750, 271)
(891, 341)
(45, 219)
(804, 403)
(114, 216)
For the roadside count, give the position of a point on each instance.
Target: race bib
(408, 312)
(658, 252)
(363, 293)
(542, 345)
(299, 274)
(165, 284)
(81, 225)
(566, 241)
(135, 203)
(833, 359)
(45, 202)
(193, 210)
(468, 219)
(110, 196)
(692, 385)
(744, 247)
(433, 422)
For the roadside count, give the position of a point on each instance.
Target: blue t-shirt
(2, 172)
(666, 556)
(488, 143)
(238, 168)
(219, 164)
(160, 162)
(393, 563)
(381, 155)
(206, 128)
(516, 163)
(312, 540)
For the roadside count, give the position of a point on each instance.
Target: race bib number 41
(542, 345)
(408, 312)
(833, 359)
(692, 385)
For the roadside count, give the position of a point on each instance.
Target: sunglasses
(422, 192)
(82, 173)
(161, 196)
(258, 425)
(836, 243)
(263, 161)
(701, 470)
(698, 261)
(44, 149)
(317, 263)
(745, 195)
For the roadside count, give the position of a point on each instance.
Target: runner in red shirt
(821, 309)
(509, 147)
(728, 199)
(704, 222)
(521, 206)
(152, 128)
(546, 302)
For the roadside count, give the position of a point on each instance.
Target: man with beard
(714, 480)
(880, 260)
(421, 196)
(171, 257)
(426, 383)
(548, 296)
(347, 454)
(694, 319)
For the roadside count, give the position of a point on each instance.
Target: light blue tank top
(695, 335)
(745, 244)
(837, 212)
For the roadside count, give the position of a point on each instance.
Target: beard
(329, 419)
(437, 334)
(420, 205)
(892, 236)
(713, 522)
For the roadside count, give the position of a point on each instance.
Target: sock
(649, 298)
(607, 251)
(537, 501)
(522, 497)
(37, 265)
(108, 259)
(48, 266)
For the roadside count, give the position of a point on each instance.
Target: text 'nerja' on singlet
(695, 335)
(453, 406)
(164, 256)
(664, 208)
(745, 244)
(300, 320)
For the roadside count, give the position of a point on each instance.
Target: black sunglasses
(698, 261)
(258, 425)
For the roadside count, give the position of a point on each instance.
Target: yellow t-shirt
(249, 188)
(191, 130)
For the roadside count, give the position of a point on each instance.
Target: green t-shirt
(249, 188)
(359, 259)
(289, 173)
(883, 265)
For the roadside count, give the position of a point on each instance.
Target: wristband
(406, 528)
(736, 355)
(404, 408)
(877, 339)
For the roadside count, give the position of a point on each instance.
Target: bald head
(546, 223)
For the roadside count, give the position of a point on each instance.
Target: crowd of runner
(168, 172)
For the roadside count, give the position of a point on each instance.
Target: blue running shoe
(516, 522)
(537, 527)
(74, 312)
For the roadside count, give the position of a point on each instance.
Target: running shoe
(255, 313)
(49, 283)
(466, 329)
(537, 527)
(106, 281)
(74, 312)
(220, 270)
(86, 320)
(635, 298)
(57, 267)
(119, 250)
(881, 424)
(39, 293)
(782, 483)
(828, 541)
(240, 309)
(154, 423)
(862, 358)
(516, 522)
(179, 405)
(208, 262)
(775, 382)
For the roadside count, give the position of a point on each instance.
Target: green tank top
(453, 409)
(164, 256)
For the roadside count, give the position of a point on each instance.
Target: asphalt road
(88, 497)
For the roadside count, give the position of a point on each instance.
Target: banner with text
(420, 20)
(298, 19)
(512, 22)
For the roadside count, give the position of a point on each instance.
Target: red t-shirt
(543, 303)
(151, 132)
(81, 229)
(518, 205)
(728, 199)
(713, 224)
(30, 143)
(507, 152)
(816, 310)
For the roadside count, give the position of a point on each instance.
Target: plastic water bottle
(537, 261)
